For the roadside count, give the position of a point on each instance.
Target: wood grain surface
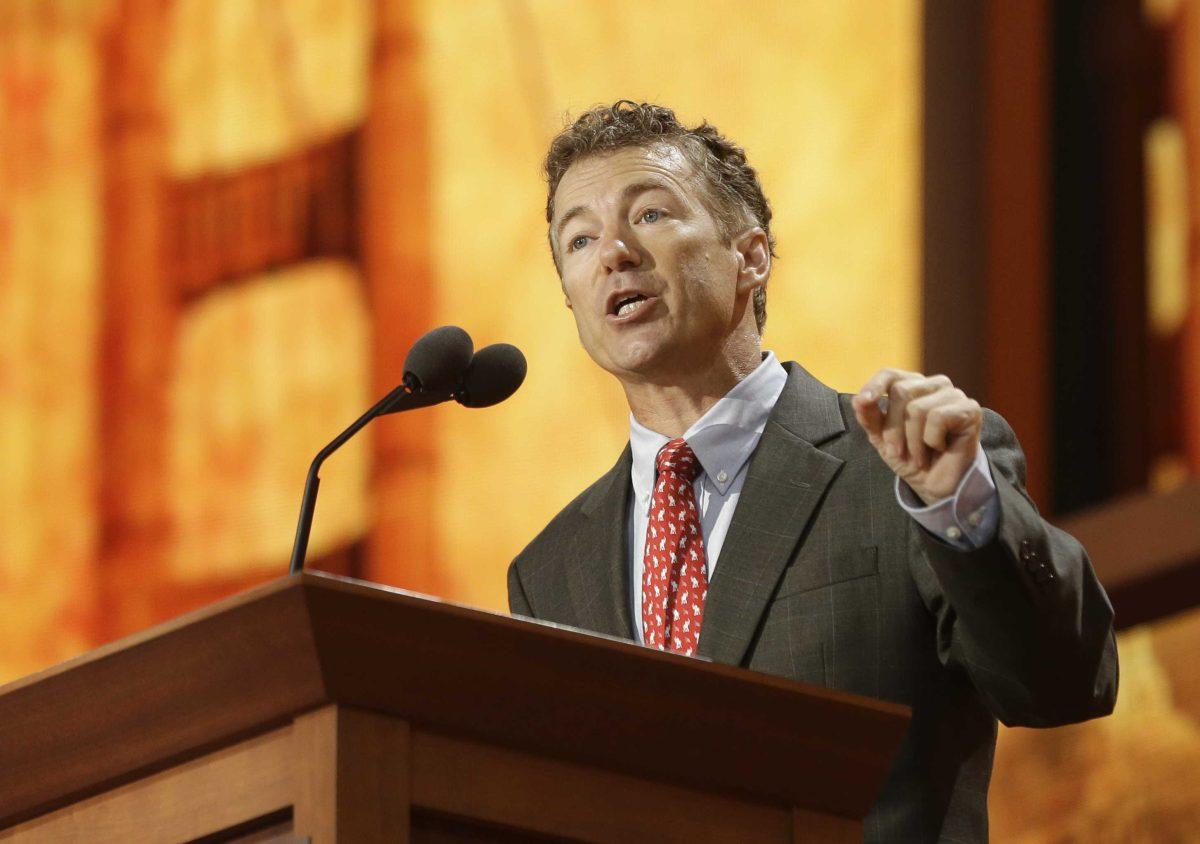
(254, 662)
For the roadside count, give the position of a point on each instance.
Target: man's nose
(619, 253)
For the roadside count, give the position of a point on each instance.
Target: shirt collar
(723, 438)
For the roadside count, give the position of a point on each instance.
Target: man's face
(654, 288)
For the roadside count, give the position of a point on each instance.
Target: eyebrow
(630, 190)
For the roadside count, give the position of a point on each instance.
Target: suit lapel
(598, 580)
(785, 483)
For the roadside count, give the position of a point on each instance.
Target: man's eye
(650, 215)
(578, 242)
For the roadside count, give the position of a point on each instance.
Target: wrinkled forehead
(604, 175)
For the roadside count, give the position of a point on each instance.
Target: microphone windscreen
(438, 360)
(495, 373)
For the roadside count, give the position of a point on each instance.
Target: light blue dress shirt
(723, 440)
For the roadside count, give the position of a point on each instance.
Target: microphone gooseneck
(308, 502)
(435, 364)
(440, 366)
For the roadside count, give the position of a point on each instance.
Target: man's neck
(670, 408)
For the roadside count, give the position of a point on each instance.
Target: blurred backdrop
(222, 223)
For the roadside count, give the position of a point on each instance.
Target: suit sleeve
(1024, 616)
(518, 603)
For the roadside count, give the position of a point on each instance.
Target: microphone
(494, 374)
(438, 360)
(434, 367)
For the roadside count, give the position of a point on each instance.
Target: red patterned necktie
(674, 579)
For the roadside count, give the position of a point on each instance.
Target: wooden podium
(322, 709)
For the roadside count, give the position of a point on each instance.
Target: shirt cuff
(966, 520)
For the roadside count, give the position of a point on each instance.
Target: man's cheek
(570, 298)
(584, 329)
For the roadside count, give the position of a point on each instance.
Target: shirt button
(975, 518)
(722, 477)
(953, 532)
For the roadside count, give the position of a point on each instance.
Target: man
(880, 543)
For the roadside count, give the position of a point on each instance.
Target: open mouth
(628, 305)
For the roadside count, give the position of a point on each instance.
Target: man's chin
(640, 365)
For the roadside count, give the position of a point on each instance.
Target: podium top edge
(324, 581)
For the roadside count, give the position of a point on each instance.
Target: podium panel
(320, 709)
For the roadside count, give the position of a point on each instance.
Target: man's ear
(753, 257)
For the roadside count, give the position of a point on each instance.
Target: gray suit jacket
(824, 579)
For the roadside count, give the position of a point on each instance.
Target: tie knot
(677, 456)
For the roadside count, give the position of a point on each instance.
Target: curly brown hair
(735, 197)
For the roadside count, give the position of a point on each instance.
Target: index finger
(869, 415)
(866, 402)
(879, 383)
